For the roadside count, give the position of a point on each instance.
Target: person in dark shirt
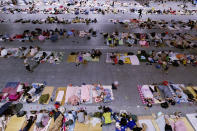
(138, 128)
(168, 127)
(29, 123)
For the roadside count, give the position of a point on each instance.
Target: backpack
(175, 63)
(72, 53)
(120, 62)
(130, 53)
(164, 105)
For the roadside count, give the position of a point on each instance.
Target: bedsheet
(108, 59)
(161, 122)
(39, 54)
(185, 124)
(184, 96)
(134, 60)
(146, 92)
(85, 92)
(60, 96)
(165, 90)
(109, 89)
(10, 88)
(193, 119)
(190, 88)
(15, 123)
(71, 90)
(150, 126)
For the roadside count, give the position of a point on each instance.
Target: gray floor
(126, 97)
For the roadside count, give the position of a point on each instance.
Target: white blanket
(193, 120)
(150, 126)
(60, 96)
(161, 122)
(134, 60)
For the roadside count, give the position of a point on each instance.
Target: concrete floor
(126, 97)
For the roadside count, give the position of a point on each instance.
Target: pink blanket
(180, 126)
(14, 97)
(143, 43)
(146, 91)
(71, 91)
(85, 92)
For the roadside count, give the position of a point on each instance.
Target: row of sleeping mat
(92, 123)
(157, 94)
(75, 95)
(50, 123)
(158, 122)
(34, 53)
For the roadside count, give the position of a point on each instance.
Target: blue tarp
(12, 84)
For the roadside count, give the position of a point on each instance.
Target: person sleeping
(155, 92)
(165, 91)
(180, 95)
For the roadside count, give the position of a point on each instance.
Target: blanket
(15, 123)
(85, 92)
(143, 95)
(191, 89)
(178, 91)
(134, 60)
(108, 93)
(108, 59)
(193, 120)
(60, 95)
(146, 92)
(182, 124)
(165, 91)
(48, 90)
(148, 122)
(161, 122)
(94, 124)
(71, 91)
(11, 88)
(32, 91)
(46, 124)
(71, 58)
(40, 53)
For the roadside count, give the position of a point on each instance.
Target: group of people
(54, 35)
(166, 58)
(75, 7)
(54, 119)
(84, 57)
(157, 24)
(52, 20)
(125, 121)
(177, 40)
